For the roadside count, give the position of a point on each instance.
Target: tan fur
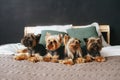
(22, 51)
(23, 55)
(66, 38)
(88, 58)
(35, 58)
(47, 57)
(90, 46)
(95, 40)
(50, 58)
(31, 36)
(34, 43)
(66, 62)
(100, 59)
(53, 42)
(72, 46)
(55, 59)
(79, 60)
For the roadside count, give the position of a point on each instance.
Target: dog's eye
(54, 41)
(25, 37)
(99, 41)
(48, 40)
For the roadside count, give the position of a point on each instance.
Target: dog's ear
(60, 37)
(100, 37)
(47, 35)
(79, 41)
(38, 37)
(32, 35)
(66, 39)
(86, 39)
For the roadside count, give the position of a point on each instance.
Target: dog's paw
(66, 62)
(47, 57)
(88, 59)
(55, 59)
(32, 59)
(39, 58)
(21, 56)
(35, 58)
(80, 60)
(100, 59)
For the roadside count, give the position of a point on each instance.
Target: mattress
(11, 69)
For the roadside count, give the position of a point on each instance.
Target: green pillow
(52, 32)
(82, 33)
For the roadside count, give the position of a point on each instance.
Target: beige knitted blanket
(11, 69)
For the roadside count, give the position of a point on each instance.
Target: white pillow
(62, 28)
(104, 43)
(110, 51)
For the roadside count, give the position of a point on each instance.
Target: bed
(11, 69)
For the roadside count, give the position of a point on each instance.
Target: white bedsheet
(12, 49)
(111, 51)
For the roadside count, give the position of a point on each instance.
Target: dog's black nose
(51, 42)
(76, 42)
(94, 44)
(30, 42)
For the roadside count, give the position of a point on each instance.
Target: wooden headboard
(103, 28)
(106, 28)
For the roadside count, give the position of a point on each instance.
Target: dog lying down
(37, 53)
(24, 55)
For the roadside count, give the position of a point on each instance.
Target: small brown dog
(72, 50)
(53, 42)
(31, 42)
(72, 47)
(93, 47)
(34, 49)
(54, 48)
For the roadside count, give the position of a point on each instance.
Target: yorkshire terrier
(93, 48)
(54, 48)
(31, 42)
(73, 48)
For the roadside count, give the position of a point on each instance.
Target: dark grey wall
(15, 14)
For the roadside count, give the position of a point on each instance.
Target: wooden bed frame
(103, 28)
(106, 28)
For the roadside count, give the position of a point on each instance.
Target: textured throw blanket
(11, 69)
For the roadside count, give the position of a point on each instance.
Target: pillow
(52, 32)
(104, 43)
(62, 28)
(82, 33)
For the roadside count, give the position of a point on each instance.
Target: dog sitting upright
(31, 42)
(72, 47)
(54, 48)
(93, 48)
